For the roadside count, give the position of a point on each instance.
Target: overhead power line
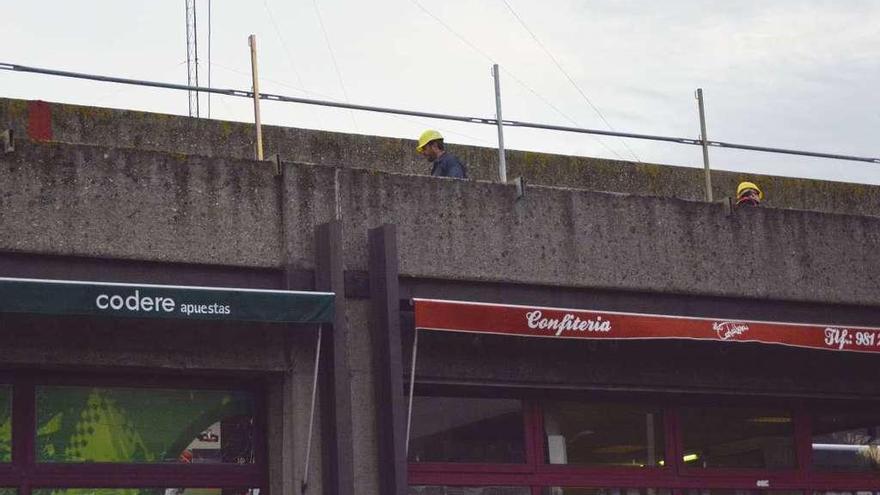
(333, 57)
(508, 73)
(454, 32)
(323, 95)
(299, 79)
(290, 58)
(565, 73)
(413, 113)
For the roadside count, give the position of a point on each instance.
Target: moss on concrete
(16, 108)
(226, 128)
(97, 113)
(159, 132)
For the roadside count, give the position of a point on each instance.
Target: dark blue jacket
(449, 166)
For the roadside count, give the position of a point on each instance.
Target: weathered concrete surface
(451, 229)
(123, 203)
(174, 134)
(366, 470)
(91, 201)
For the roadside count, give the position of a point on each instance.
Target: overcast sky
(800, 74)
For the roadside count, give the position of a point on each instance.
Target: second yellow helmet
(749, 185)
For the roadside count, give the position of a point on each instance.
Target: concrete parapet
(234, 140)
(122, 203)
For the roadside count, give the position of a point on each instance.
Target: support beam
(335, 381)
(387, 360)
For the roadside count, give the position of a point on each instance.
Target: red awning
(528, 321)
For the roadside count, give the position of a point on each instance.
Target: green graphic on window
(6, 430)
(98, 491)
(88, 424)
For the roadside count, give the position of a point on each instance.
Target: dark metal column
(387, 360)
(335, 381)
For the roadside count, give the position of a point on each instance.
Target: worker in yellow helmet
(748, 194)
(444, 164)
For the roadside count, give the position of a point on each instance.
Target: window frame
(25, 472)
(536, 473)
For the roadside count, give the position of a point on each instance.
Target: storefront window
(90, 424)
(468, 490)
(603, 434)
(456, 429)
(604, 491)
(5, 428)
(847, 441)
(717, 437)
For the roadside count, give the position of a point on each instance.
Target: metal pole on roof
(192, 57)
(704, 141)
(502, 163)
(209, 57)
(252, 41)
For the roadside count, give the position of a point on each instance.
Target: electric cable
(333, 58)
(276, 81)
(454, 32)
(512, 76)
(567, 76)
(393, 116)
(290, 58)
(296, 72)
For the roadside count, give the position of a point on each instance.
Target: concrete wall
(173, 202)
(149, 131)
(123, 203)
(101, 202)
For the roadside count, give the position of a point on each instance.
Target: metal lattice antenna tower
(192, 57)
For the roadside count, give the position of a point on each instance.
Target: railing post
(252, 41)
(704, 141)
(502, 163)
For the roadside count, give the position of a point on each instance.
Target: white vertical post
(252, 41)
(704, 140)
(412, 385)
(502, 163)
(305, 481)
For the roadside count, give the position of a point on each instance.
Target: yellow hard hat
(749, 185)
(427, 137)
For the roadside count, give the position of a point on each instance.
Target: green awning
(74, 297)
